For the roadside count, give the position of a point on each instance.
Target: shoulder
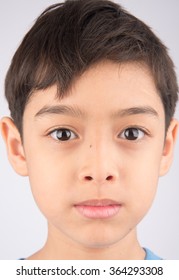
(149, 255)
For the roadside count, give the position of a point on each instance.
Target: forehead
(105, 87)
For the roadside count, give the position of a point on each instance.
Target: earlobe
(168, 150)
(14, 146)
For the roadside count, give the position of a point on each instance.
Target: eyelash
(133, 132)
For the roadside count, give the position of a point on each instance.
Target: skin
(97, 162)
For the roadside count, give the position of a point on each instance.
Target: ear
(14, 146)
(169, 144)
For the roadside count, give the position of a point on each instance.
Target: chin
(99, 240)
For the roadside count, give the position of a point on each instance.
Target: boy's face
(94, 157)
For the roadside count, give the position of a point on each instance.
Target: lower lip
(98, 212)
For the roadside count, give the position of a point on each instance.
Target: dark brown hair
(69, 37)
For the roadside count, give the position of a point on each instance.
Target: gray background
(22, 227)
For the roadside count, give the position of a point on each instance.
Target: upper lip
(98, 202)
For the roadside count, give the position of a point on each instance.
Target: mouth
(98, 209)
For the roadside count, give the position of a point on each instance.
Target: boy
(92, 94)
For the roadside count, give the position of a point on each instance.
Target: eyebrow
(147, 110)
(78, 113)
(61, 110)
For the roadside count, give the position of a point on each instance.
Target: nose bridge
(99, 162)
(99, 152)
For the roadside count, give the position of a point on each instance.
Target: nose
(98, 166)
(98, 174)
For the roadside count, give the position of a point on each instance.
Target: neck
(59, 247)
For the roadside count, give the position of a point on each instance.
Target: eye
(63, 134)
(132, 134)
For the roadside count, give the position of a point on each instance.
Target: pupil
(63, 135)
(132, 133)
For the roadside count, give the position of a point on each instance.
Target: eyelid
(55, 128)
(143, 129)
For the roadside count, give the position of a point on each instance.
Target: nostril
(88, 178)
(109, 178)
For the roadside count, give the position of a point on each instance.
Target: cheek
(50, 180)
(142, 177)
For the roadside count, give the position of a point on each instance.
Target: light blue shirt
(151, 256)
